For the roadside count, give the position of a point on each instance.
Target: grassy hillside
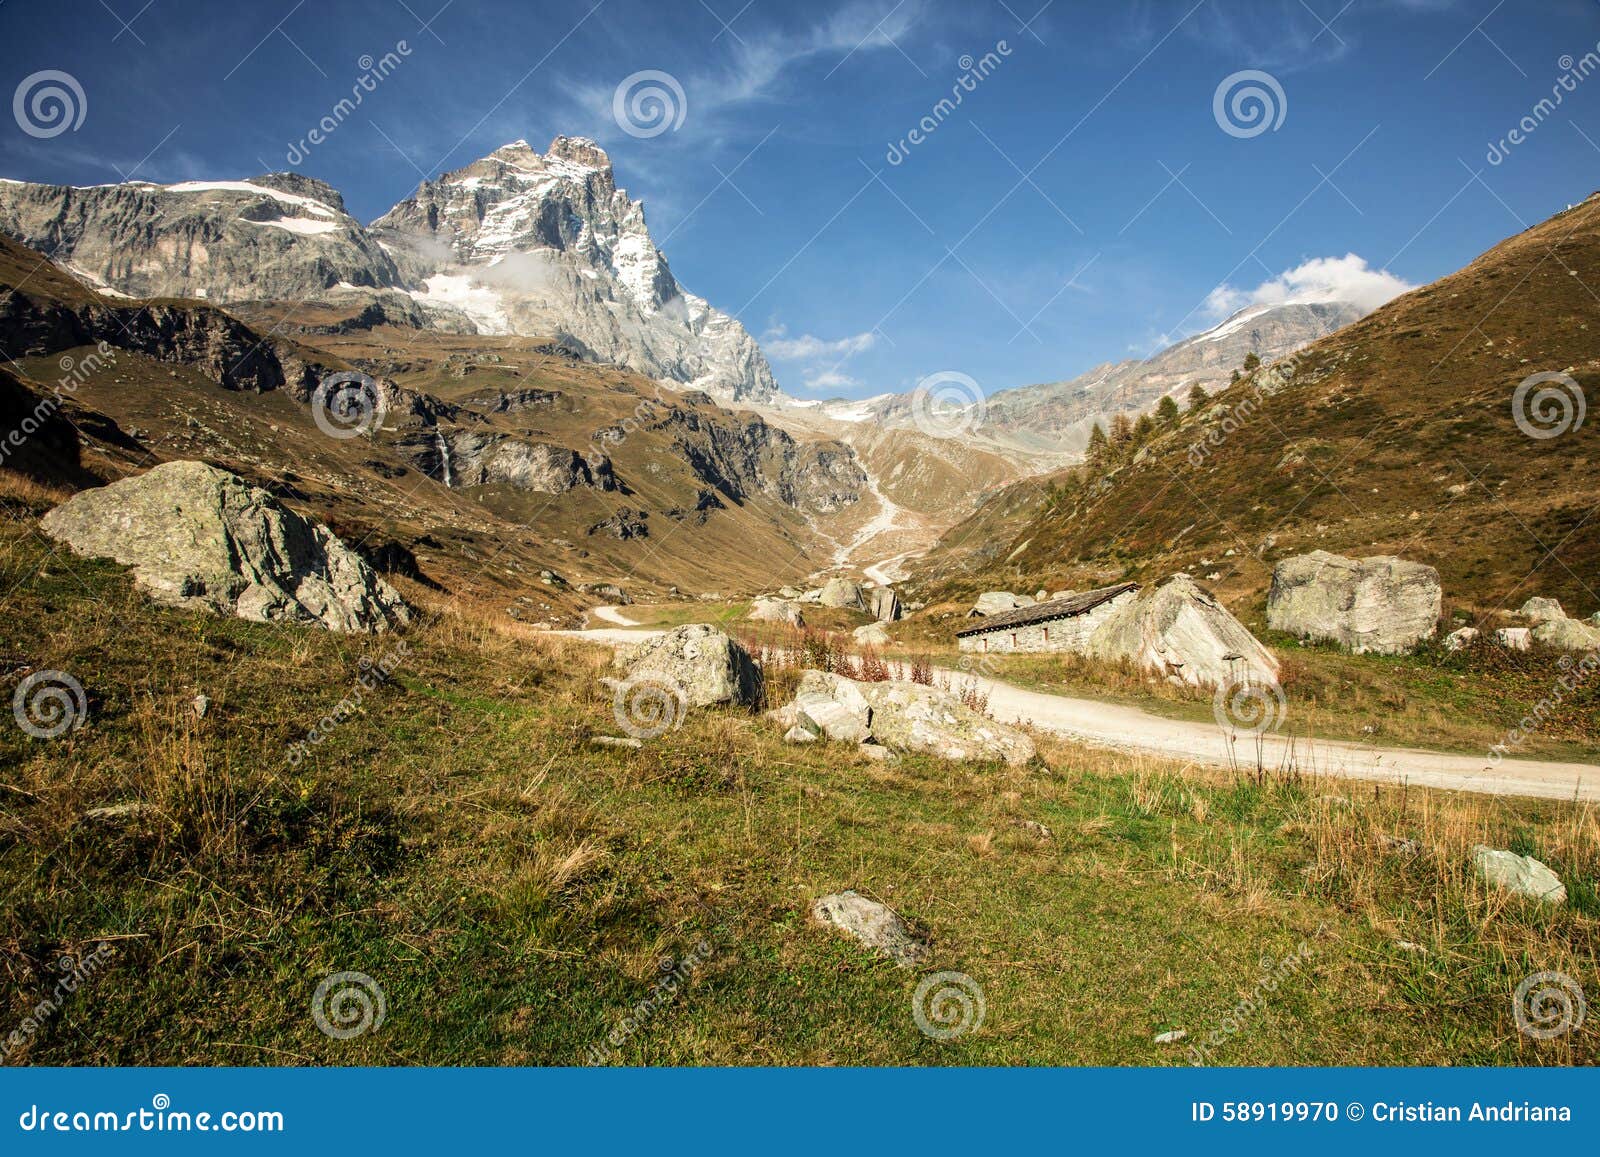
(135, 410)
(1394, 435)
(516, 891)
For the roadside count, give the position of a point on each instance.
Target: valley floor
(518, 893)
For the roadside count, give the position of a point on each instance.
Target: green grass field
(516, 891)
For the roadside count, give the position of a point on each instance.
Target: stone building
(1057, 625)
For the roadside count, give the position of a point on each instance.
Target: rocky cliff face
(279, 236)
(222, 348)
(1062, 412)
(741, 454)
(524, 242)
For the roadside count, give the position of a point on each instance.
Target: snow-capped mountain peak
(545, 243)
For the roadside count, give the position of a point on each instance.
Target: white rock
(1542, 610)
(873, 924)
(1514, 638)
(1522, 875)
(1460, 637)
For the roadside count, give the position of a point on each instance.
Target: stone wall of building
(1057, 635)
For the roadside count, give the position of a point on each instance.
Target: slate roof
(1067, 608)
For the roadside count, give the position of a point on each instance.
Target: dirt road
(1125, 728)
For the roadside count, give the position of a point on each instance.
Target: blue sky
(1083, 202)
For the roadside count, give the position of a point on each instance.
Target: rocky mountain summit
(518, 242)
(524, 242)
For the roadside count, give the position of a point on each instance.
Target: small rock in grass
(872, 924)
(1171, 1038)
(1521, 875)
(874, 750)
(201, 704)
(1411, 946)
(118, 814)
(617, 741)
(1035, 829)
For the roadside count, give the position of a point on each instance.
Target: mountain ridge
(516, 242)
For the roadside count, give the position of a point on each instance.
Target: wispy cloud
(759, 63)
(1348, 278)
(779, 345)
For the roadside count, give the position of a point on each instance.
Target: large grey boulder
(883, 604)
(765, 610)
(1382, 604)
(1542, 610)
(998, 603)
(841, 592)
(1521, 875)
(700, 663)
(871, 635)
(904, 716)
(871, 924)
(1180, 631)
(833, 707)
(202, 538)
(1567, 635)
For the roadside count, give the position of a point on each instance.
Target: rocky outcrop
(1382, 604)
(204, 539)
(741, 455)
(901, 716)
(872, 925)
(699, 662)
(1181, 632)
(224, 350)
(463, 458)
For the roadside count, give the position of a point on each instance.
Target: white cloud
(1348, 278)
(829, 380)
(779, 345)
